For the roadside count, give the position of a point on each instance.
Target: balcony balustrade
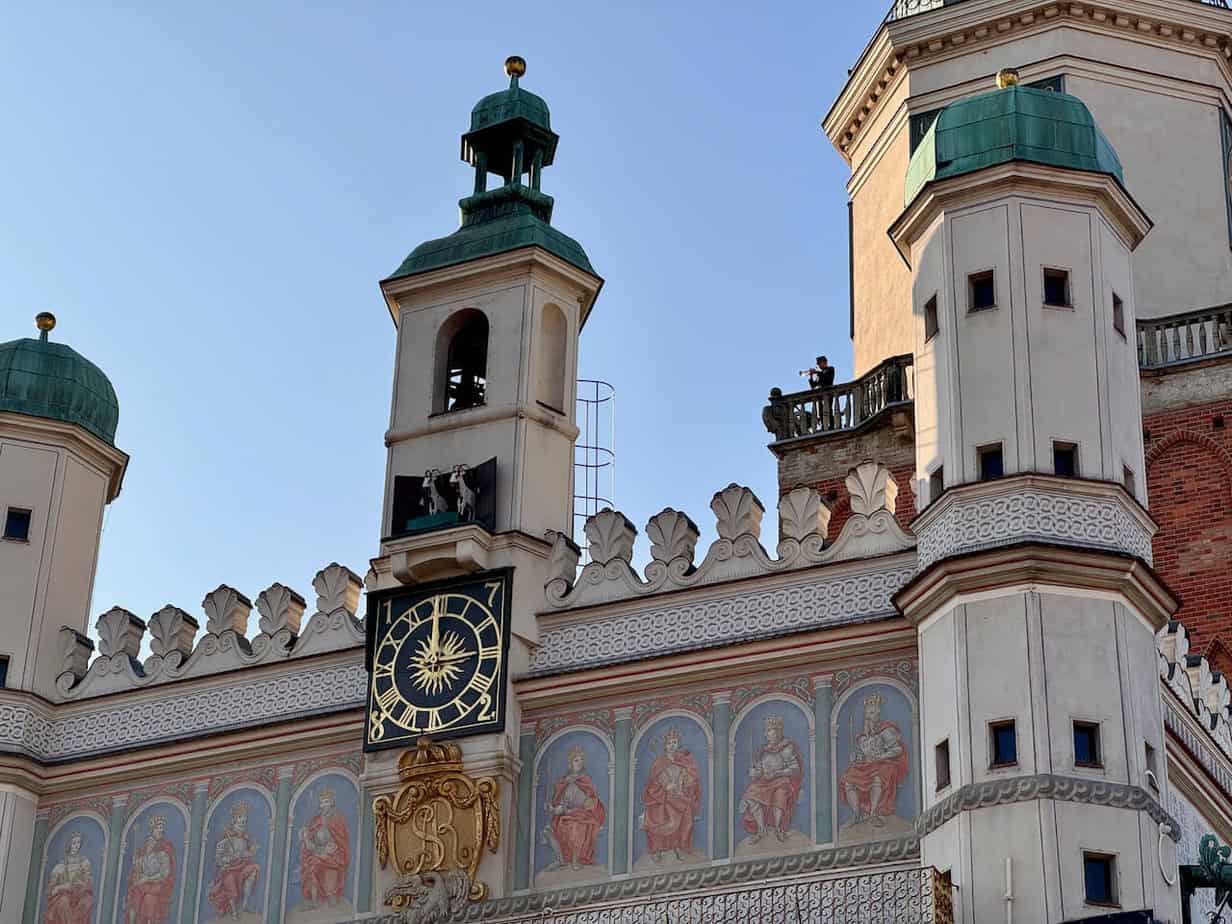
(1182, 338)
(844, 407)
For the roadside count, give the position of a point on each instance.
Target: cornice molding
(101, 456)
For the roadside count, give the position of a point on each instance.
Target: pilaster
(278, 862)
(720, 810)
(38, 843)
(525, 828)
(196, 839)
(367, 829)
(119, 806)
(623, 742)
(823, 772)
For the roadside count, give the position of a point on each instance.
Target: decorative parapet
(1033, 508)
(1201, 690)
(871, 531)
(225, 645)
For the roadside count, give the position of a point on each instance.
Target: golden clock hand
(457, 656)
(436, 624)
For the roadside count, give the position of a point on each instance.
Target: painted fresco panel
(671, 795)
(152, 865)
(771, 783)
(877, 779)
(323, 850)
(235, 859)
(572, 801)
(73, 872)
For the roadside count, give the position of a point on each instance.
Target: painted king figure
(70, 887)
(235, 866)
(151, 878)
(879, 762)
(324, 853)
(671, 800)
(775, 776)
(577, 815)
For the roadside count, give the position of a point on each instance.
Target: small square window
(4, 671)
(991, 462)
(1004, 743)
(1099, 875)
(1086, 745)
(1065, 460)
(1118, 314)
(1056, 288)
(936, 483)
(981, 291)
(17, 525)
(942, 755)
(1128, 479)
(1152, 767)
(931, 323)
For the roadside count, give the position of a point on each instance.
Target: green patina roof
(510, 137)
(41, 378)
(1017, 123)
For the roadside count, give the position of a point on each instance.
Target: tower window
(17, 524)
(981, 291)
(1152, 767)
(1065, 460)
(942, 755)
(1099, 877)
(936, 483)
(1056, 288)
(1003, 739)
(1118, 314)
(4, 671)
(1086, 745)
(1131, 483)
(931, 323)
(462, 362)
(992, 464)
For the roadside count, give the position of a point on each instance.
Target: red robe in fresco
(227, 889)
(324, 876)
(890, 770)
(782, 792)
(670, 809)
(577, 829)
(150, 901)
(70, 893)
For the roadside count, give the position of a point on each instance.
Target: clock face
(437, 661)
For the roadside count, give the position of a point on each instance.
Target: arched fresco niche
(670, 794)
(73, 871)
(772, 781)
(235, 858)
(152, 873)
(323, 849)
(573, 798)
(876, 767)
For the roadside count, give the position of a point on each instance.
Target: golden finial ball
(1007, 77)
(45, 321)
(515, 66)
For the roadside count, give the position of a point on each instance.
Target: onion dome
(42, 378)
(1012, 123)
(511, 138)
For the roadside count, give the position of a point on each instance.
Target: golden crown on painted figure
(240, 809)
(774, 720)
(874, 699)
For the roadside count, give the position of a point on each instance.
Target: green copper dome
(1015, 123)
(507, 105)
(40, 378)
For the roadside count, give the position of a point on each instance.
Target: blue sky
(206, 195)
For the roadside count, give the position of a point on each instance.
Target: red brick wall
(1189, 481)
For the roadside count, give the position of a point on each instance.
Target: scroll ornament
(439, 821)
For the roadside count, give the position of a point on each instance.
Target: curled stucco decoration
(736, 553)
(224, 646)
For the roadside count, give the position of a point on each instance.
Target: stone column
(823, 759)
(34, 873)
(119, 805)
(196, 843)
(720, 810)
(525, 827)
(622, 742)
(367, 843)
(278, 861)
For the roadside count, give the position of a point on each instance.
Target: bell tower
(481, 435)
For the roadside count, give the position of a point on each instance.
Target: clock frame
(437, 657)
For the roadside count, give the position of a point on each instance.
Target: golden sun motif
(438, 663)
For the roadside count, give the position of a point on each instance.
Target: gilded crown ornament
(438, 822)
(1007, 77)
(874, 699)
